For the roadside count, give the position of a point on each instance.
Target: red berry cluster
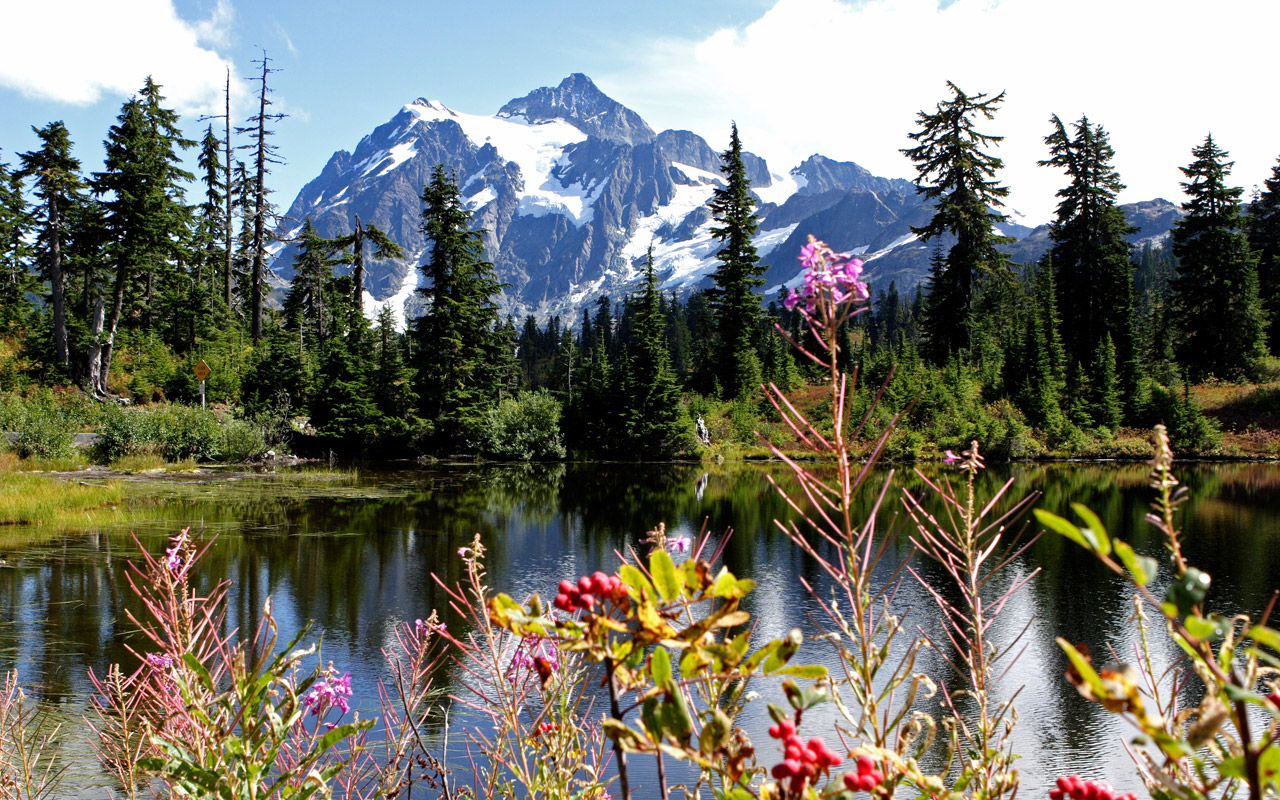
(1072, 788)
(589, 590)
(867, 779)
(802, 761)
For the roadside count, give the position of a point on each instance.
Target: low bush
(242, 440)
(45, 430)
(171, 432)
(525, 428)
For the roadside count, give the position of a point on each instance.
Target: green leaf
(1094, 526)
(1235, 694)
(664, 574)
(1212, 628)
(660, 665)
(729, 587)
(636, 581)
(1265, 636)
(1057, 524)
(1269, 764)
(1083, 668)
(715, 733)
(804, 671)
(1142, 568)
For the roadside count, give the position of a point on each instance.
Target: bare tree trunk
(96, 379)
(357, 271)
(60, 352)
(117, 306)
(259, 212)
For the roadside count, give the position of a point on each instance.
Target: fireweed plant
(211, 717)
(1226, 745)
(970, 542)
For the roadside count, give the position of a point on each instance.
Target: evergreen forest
(115, 284)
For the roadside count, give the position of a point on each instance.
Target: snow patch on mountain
(396, 302)
(689, 262)
(537, 148)
(781, 187)
(687, 200)
(398, 155)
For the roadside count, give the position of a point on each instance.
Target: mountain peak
(578, 101)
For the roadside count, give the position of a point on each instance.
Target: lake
(356, 556)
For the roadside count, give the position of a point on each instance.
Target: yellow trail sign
(201, 370)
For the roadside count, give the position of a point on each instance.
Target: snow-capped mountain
(572, 188)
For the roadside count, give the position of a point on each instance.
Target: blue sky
(841, 77)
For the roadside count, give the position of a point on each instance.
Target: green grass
(47, 502)
(141, 464)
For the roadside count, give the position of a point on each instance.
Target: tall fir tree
(1106, 402)
(358, 241)
(15, 252)
(1091, 255)
(148, 221)
(305, 308)
(392, 380)
(733, 301)
(655, 422)
(209, 258)
(1263, 228)
(1215, 293)
(55, 178)
(460, 363)
(954, 171)
(263, 212)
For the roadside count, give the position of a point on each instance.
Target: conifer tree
(383, 247)
(263, 213)
(733, 301)
(305, 308)
(1263, 228)
(55, 177)
(210, 256)
(275, 378)
(954, 171)
(392, 379)
(147, 219)
(1215, 293)
(460, 368)
(15, 252)
(1091, 256)
(655, 422)
(1106, 402)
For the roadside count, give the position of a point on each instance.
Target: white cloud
(111, 47)
(847, 79)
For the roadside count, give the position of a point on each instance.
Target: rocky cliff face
(571, 189)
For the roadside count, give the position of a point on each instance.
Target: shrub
(172, 432)
(1189, 429)
(45, 431)
(525, 428)
(242, 440)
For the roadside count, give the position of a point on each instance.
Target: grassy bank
(27, 499)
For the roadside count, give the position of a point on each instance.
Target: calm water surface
(357, 556)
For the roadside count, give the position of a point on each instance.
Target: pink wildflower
(835, 275)
(679, 544)
(950, 458)
(175, 557)
(329, 691)
(159, 661)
